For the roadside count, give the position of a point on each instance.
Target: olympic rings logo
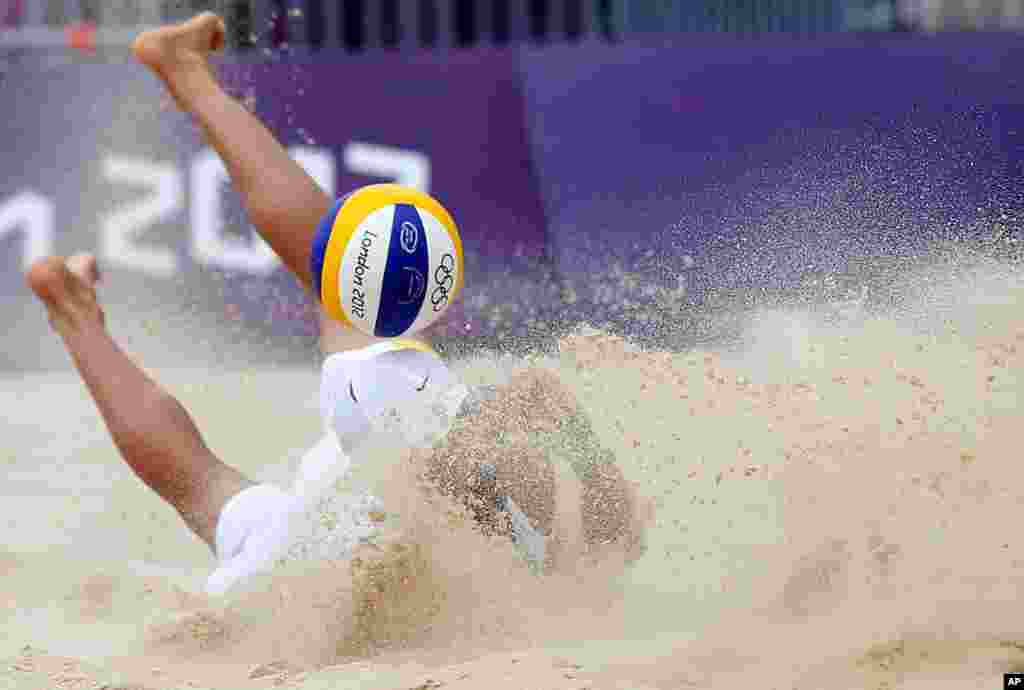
(444, 282)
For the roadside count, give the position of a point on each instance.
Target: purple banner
(588, 181)
(728, 170)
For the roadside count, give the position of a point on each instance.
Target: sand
(837, 506)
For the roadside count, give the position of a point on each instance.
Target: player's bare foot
(67, 287)
(176, 53)
(86, 267)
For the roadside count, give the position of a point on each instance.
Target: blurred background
(654, 167)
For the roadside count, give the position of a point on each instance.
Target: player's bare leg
(151, 429)
(281, 199)
(283, 202)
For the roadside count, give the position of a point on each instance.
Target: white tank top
(397, 392)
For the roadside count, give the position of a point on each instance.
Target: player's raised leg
(282, 200)
(151, 429)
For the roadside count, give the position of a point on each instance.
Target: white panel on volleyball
(439, 243)
(378, 223)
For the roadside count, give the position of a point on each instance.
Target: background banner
(633, 185)
(728, 171)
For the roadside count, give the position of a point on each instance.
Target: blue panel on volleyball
(407, 271)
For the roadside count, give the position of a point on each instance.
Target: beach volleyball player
(511, 490)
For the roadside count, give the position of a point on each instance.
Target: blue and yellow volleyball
(387, 260)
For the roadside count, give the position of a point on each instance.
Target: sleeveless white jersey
(397, 391)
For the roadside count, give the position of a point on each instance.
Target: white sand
(838, 507)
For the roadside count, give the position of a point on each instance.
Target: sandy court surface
(837, 507)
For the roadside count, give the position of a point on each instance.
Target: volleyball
(387, 260)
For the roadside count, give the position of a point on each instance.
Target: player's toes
(201, 34)
(147, 47)
(70, 300)
(213, 30)
(85, 267)
(160, 48)
(47, 279)
(65, 284)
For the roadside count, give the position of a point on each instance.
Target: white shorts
(386, 389)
